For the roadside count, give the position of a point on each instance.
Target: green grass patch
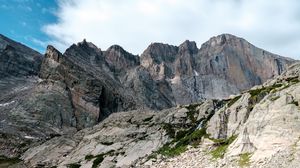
(274, 98)
(293, 80)
(222, 145)
(179, 145)
(244, 160)
(233, 100)
(98, 158)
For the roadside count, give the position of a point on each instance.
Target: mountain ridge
(59, 94)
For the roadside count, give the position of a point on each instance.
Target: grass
(244, 160)
(222, 145)
(167, 150)
(191, 113)
(89, 157)
(258, 94)
(180, 144)
(169, 129)
(293, 80)
(274, 98)
(98, 158)
(5, 161)
(233, 100)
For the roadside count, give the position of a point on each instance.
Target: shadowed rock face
(93, 90)
(17, 59)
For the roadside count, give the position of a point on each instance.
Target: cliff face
(58, 94)
(17, 59)
(224, 65)
(258, 128)
(93, 88)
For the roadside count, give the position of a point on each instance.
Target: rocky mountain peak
(86, 45)
(118, 59)
(188, 46)
(223, 39)
(52, 53)
(17, 59)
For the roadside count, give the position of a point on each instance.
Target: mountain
(17, 59)
(258, 128)
(63, 95)
(223, 66)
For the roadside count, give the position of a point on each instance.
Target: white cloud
(134, 24)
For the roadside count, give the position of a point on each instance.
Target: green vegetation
(73, 165)
(232, 101)
(167, 150)
(169, 129)
(244, 160)
(293, 80)
(264, 90)
(222, 145)
(274, 98)
(192, 111)
(89, 157)
(98, 158)
(184, 135)
(179, 144)
(258, 94)
(5, 161)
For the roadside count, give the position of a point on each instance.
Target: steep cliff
(258, 128)
(46, 100)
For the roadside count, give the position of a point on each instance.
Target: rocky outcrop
(17, 59)
(94, 93)
(260, 128)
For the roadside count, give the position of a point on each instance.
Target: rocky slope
(258, 128)
(44, 101)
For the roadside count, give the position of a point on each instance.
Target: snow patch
(29, 137)
(6, 104)
(196, 73)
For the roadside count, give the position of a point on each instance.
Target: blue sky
(22, 20)
(273, 25)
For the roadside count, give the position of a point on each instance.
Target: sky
(273, 25)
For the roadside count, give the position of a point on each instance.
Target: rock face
(224, 65)
(51, 106)
(94, 94)
(259, 128)
(17, 59)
